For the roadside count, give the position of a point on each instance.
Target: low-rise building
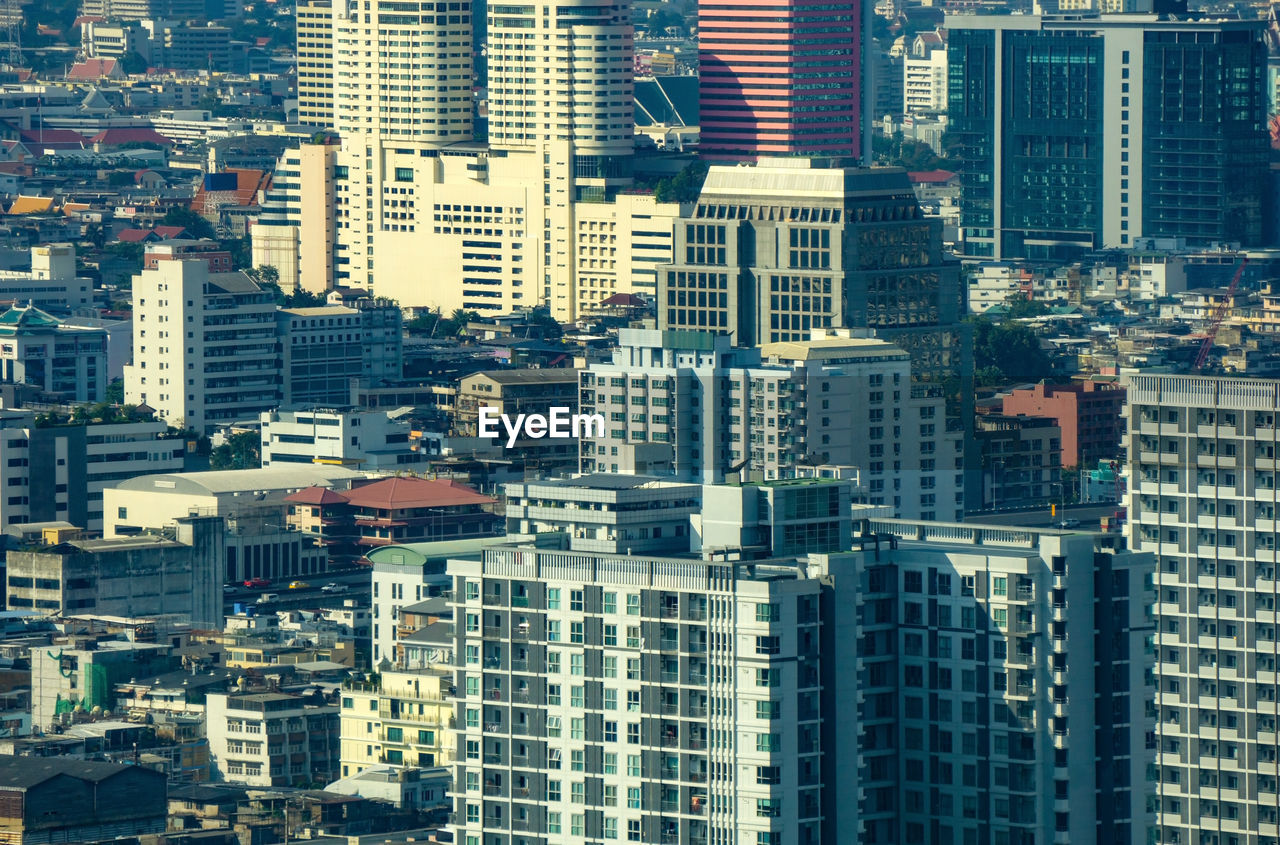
(147, 575)
(368, 440)
(64, 800)
(406, 719)
(40, 350)
(1089, 413)
(154, 501)
(1021, 461)
(50, 283)
(514, 392)
(70, 678)
(272, 739)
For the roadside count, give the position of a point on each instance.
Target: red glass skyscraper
(780, 77)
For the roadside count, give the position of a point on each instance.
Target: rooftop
(266, 479)
(18, 773)
(402, 493)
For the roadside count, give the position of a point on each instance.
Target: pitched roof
(20, 316)
(92, 69)
(169, 232)
(397, 493)
(626, 299)
(137, 236)
(123, 135)
(31, 205)
(26, 772)
(315, 496)
(53, 139)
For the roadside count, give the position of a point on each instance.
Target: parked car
(254, 583)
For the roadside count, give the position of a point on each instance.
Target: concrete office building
(272, 738)
(770, 253)
(58, 472)
(369, 440)
(42, 351)
(1168, 132)
(327, 349)
(717, 411)
(1201, 460)
(179, 574)
(204, 346)
(83, 676)
(532, 217)
(51, 282)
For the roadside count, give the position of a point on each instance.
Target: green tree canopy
(240, 451)
(195, 225)
(1007, 352)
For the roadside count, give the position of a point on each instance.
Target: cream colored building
(287, 222)
(157, 501)
(460, 224)
(407, 720)
(315, 62)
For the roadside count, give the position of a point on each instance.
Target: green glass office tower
(1081, 133)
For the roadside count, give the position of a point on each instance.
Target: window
(576, 600)
(633, 604)
(610, 602)
(553, 598)
(768, 709)
(767, 612)
(768, 742)
(633, 765)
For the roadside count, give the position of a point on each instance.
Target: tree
(196, 226)
(301, 298)
(550, 326)
(240, 451)
(132, 63)
(1021, 305)
(115, 392)
(1007, 352)
(684, 186)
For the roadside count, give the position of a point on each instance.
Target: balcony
(494, 759)
(519, 665)
(491, 600)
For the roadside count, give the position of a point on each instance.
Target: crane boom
(1219, 314)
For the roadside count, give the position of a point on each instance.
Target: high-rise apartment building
(720, 412)
(1003, 683)
(1083, 132)
(780, 79)
(533, 216)
(924, 75)
(1202, 498)
(327, 348)
(402, 71)
(402, 719)
(272, 738)
(783, 679)
(314, 33)
(204, 346)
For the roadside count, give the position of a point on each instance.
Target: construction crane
(1219, 314)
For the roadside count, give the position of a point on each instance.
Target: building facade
(59, 471)
(1089, 413)
(716, 412)
(1202, 499)
(780, 79)
(360, 439)
(42, 351)
(1176, 148)
(204, 346)
(1021, 461)
(272, 739)
(772, 252)
(406, 720)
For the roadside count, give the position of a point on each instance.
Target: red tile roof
(168, 233)
(398, 493)
(92, 69)
(316, 496)
(931, 177)
(54, 139)
(143, 135)
(136, 236)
